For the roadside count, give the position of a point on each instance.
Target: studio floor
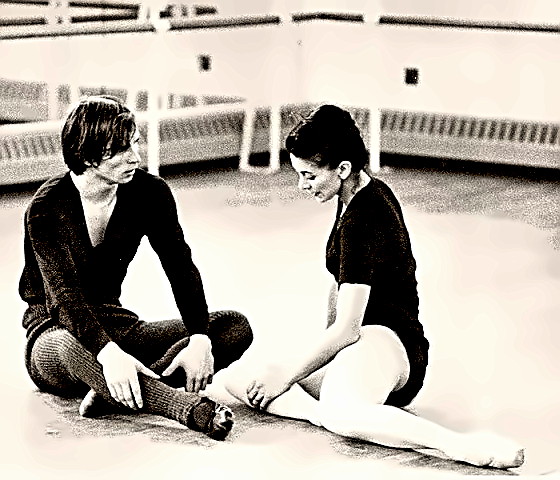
(487, 247)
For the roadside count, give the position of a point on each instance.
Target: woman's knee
(339, 417)
(237, 378)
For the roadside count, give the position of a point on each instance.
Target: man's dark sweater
(67, 281)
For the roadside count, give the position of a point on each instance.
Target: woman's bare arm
(276, 378)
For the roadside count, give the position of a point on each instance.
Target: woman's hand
(121, 374)
(272, 382)
(197, 361)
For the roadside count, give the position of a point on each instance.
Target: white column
(247, 137)
(74, 92)
(275, 134)
(52, 100)
(58, 13)
(374, 138)
(372, 14)
(132, 97)
(153, 131)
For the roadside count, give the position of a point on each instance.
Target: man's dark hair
(97, 127)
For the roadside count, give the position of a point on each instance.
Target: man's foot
(222, 423)
(94, 405)
(211, 418)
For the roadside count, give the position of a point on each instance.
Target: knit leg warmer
(61, 365)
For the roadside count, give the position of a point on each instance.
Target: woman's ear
(344, 169)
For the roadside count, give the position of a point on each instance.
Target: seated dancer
(370, 360)
(82, 230)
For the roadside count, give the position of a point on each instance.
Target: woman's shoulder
(375, 206)
(375, 196)
(379, 189)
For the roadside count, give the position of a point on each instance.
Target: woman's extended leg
(358, 381)
(353, 388)
(61, 365)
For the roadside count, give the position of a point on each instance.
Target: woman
(372, 357)
(82, 230)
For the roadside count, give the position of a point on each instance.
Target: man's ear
(344, 169)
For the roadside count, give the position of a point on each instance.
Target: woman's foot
(211, 418)
(487, 450)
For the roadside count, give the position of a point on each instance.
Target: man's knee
(232, 327)
(231, 335)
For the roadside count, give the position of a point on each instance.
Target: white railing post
(371, 17)
(247, 136)
(275, 134)
(152, 139)
(374, 138)
(58, 13)
(53, 105)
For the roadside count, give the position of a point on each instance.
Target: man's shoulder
(143, 180)
(51, 190)
(147, 190)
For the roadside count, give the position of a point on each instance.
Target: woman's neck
(352, 185)
(93, 189)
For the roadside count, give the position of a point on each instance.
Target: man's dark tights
(62, 366)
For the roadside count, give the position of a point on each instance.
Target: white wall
(472, 72)
(486, 73)
(244, 60)
(492, 74)
(537, 11)
(534, 11)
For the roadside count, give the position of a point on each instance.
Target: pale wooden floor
(489, 280)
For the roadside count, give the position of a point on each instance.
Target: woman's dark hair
(327, 136)
(97, 127)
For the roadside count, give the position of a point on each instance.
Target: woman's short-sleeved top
(369, 244)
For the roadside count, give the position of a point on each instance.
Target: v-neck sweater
(69, 282)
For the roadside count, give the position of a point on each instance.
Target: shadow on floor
(250, 427)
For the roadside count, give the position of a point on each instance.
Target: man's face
(120, 168)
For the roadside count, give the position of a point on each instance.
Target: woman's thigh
(366, 371)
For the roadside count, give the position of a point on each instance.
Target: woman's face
(120, 168)
(321, 182)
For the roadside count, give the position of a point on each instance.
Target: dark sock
(204, 417)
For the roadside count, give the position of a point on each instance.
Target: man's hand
(272, 382)
(121, 375)
(197, 361)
